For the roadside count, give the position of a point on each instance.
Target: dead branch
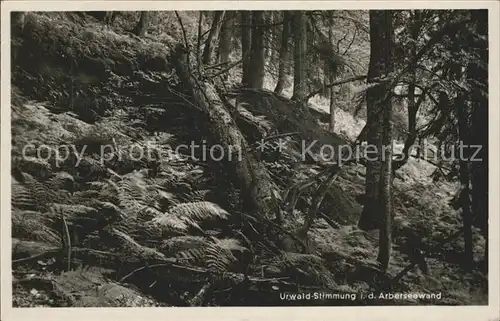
(198, 299)
(336, 83)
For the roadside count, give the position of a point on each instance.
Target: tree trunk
(256, 68)
(381, 35)
(268, 41)
(463, 131)
(331, 125)
(17, 22)
(143, 24)
(413, 105)
(246, 42)
(300, 59)
(212, 36)
(110, 17)
(226, 35)
(331, 91)
(198, 41)
(479, 133)
(385, 186)
(240, 164)
(283, 54)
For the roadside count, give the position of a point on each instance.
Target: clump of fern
(217, 255)
(303, 268)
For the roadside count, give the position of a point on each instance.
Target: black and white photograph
(248, 157)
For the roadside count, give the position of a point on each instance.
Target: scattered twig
(170, 261)
(37, 256)
(280, 136)
(56, 250)
(66, 244)
(336, 83)
(198, 299)
(234, 64)
(217, 65)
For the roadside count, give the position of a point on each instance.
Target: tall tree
(283, 53)
(385, 186)
(299, 25)
(226, 35)
(212, 36)
(463, 132)
(478, 72)
(331, 90)
(17, 19)
(257, 51)
(380, 65)
(246, 43)
(268, 40)
(143, 24)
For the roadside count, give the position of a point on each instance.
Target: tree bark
(246, 43)
(331, 91)
(463, 131)
(241, 164)
(381, 35)
(226, 35)
(257, 52)
(17, 22)
(413, 105)
(283, 54)
(331, 125)
(385, 187)
(198, 41)
(300, 59)
(143, 24)
(269, 20)
(212, 36)
(479, 133)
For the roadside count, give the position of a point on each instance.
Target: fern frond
(22, 198)
(165, 199)
(182, 243)
(170, 223)
(33, 225)
(194, 256)
(72, 212)
(307, 268)
(220, 254)
(110, 192)
(35, 166)
(126, 245)
(62, 180)
(198, 195)
(91, 168)
(199, 211)
(32, 194)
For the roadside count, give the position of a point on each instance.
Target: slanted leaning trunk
(241, 164)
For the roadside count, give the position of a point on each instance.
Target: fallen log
(244, 168)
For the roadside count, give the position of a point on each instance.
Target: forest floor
(91, 85)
